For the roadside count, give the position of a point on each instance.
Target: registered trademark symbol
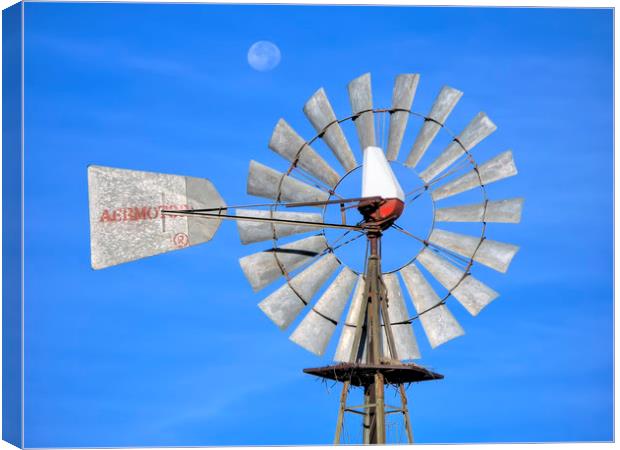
(181, 240)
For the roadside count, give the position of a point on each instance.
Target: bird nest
(363, 374)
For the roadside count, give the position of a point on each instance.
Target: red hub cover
(384, 211)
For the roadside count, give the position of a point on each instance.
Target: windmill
(136, 214)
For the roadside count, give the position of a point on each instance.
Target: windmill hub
(381, 212)
(382, 196)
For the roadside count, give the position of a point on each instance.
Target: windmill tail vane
(136, 214)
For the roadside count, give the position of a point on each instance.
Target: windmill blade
(125, 214)
(478, 129)
(345, 343)
(404, 339)
(442, 107)
(265, 267)
(501, 211)
(317, 328)
(319, 112)
(292, 147)
(471, 293)
(402, 98)
(360, 95)
(265, 182)
(251, 232)
(498, 168)
(493, 254)
(285, 304)
(439, 324)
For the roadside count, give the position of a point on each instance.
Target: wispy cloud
(114, 54)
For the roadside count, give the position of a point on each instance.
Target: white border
(497, 3)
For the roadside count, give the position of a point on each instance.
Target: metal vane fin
(442, 107)
(505, 211)
(264, 181)
(251, 232)
(478, 129)
(265, 267)
(493, 254)
(402, 99)
(288, 144)
(319, 112)
(317, 328)
(343, 351)
(498, 168)
(360, 95)
(471, 293)
(285, 303)
(125, 214)
(439, 324)
(404, 339)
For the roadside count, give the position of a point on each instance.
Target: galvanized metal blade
(251, 232)
(347, 336)
(404, 339)
(402, 99)
(471, 293)
(442, 107)
(504, 211)
(266, 182)
(477, 130)
(292, 147)
(126, 222)
(438, 322)
(319, 112)
(360, 95)
(493, 254)
(265, 267)
(317, 328)
(498, 168)
(285, 304)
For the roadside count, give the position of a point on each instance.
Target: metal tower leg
(367, 417)
(380, 409)
(343, 405)
(406, 419)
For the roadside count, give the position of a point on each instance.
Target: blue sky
(172, 350)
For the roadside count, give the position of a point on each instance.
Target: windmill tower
(137, 214)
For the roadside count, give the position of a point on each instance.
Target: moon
(264, 56)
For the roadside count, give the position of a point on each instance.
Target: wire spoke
(454, 257)
(435, 248)
(419, 188)
(311, 179)
(349, 241)
(415, 198)
(451, 256)
(402, 230)
(456, 167)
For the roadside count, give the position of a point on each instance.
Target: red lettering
(136, 213)
(141, 213)
(105, 217)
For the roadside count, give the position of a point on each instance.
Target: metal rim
(467, 156)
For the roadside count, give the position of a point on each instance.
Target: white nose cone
(378, 180)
